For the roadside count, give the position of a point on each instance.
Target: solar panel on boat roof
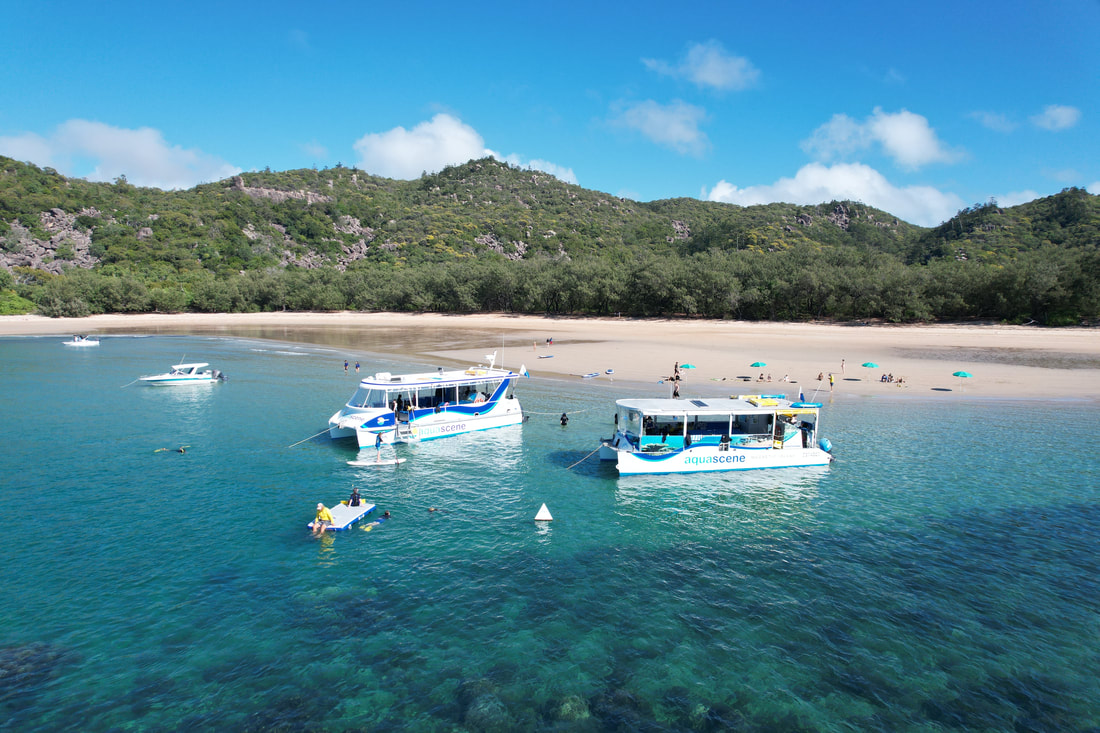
(698, 403)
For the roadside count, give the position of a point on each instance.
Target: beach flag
(801, 397)
(523, 371)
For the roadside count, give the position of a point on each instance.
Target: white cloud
(1056, 117)
(1015, 198)
(142, 155)
(674, 125)
(1093, 188)
(709, 65)
(315, 150)
(993, 121)
(904, 136)
(433, 145)
(838, 138)
(560, 172)
(29, 147)
(816, 183)
(430, 146)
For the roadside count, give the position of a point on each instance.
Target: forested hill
(488, 236)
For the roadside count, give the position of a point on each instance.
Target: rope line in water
(584, 459)
(567, 412)
(309, 438)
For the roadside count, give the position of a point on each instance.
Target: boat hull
(707, 459)
(172, 381)
(422, 425)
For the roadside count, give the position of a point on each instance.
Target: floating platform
(343, 516)
(372, 462)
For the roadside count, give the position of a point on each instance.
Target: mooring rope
(584, 459)
(309, 438)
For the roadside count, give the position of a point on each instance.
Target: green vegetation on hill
(488, 236)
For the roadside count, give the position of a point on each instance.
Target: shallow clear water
(943, 573)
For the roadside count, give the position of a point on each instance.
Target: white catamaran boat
(196, 373)
(405, 408)
(715, 434)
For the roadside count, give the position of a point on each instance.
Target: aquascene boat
(185, 374)
(405, 408)
(82, 341)
(715, 434)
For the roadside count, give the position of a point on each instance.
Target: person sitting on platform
(322, 520)
(354, 499)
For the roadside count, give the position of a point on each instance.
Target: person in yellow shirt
(322, 520)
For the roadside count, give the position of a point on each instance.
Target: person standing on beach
(830, 381)
(841, 366)
(345, 366)
(356, 367)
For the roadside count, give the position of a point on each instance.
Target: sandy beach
(1017, 362)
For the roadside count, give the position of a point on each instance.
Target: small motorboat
(78, 340)
(195, 373)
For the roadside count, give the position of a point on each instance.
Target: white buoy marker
(543, 515)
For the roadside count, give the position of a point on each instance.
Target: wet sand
(1019, 362)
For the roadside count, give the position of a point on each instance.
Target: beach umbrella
(962, 375)
(687, 366)
(870, 365)
(758, 364)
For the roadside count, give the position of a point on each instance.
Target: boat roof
(385, 380)
(740, 404)
(195, 365)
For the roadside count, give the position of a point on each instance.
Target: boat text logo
(728, 458)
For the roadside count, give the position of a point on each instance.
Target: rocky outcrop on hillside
(276, 195)
(842, 216)
(511, 250)
(67, 246)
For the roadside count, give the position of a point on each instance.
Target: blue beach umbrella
(962, 375)
(758, 364)
(870, 365)
(687, 366)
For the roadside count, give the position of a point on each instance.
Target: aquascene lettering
(727, 458)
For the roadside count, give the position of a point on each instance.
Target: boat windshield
(366, 397)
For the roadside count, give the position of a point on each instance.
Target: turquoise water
(943, 573)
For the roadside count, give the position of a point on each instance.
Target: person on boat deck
(353, 500)
(377, 447)
(322, 520)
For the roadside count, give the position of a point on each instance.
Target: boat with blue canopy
(735, 433)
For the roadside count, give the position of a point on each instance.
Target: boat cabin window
(711, 425)
(630, 422)
(365, 397)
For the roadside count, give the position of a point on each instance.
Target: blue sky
(916, 108)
